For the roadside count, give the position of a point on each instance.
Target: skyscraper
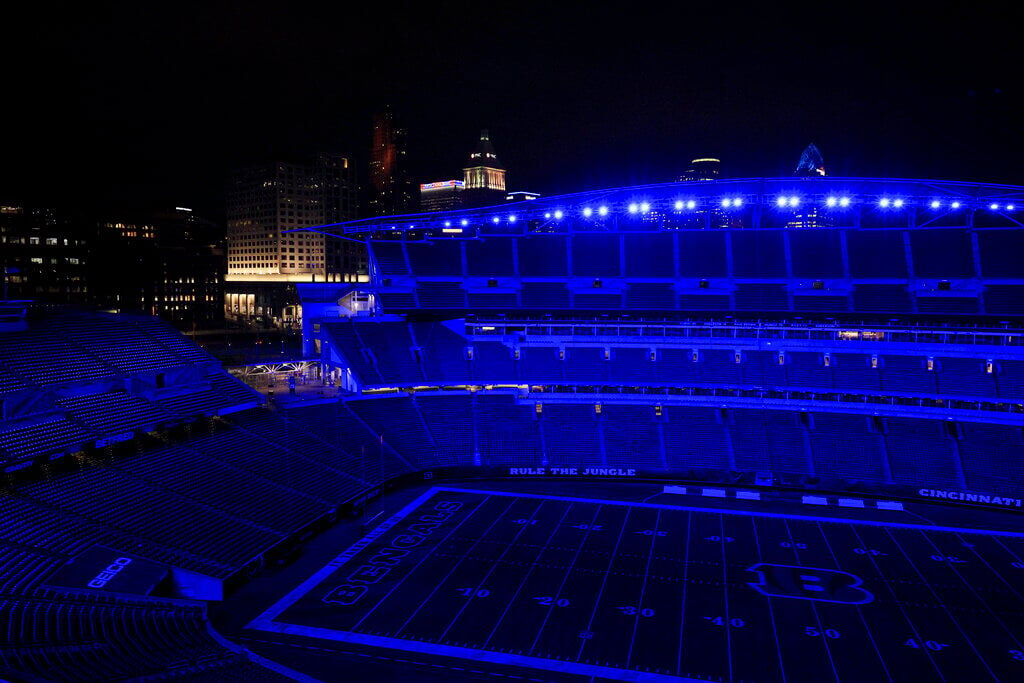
(263, 203)
(484, 175)
(391, 189)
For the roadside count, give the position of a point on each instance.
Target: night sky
(127, 104)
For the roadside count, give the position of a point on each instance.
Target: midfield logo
(809, 583)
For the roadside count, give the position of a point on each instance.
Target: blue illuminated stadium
(763, 429)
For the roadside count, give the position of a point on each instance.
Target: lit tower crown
(811, 163)
(484, 171)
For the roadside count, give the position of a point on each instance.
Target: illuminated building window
(874, 360)
(538, 408)
(657, 410)
(607, 354)
(597, 408)
(469, 353)
(930, 364)
(989, 366)
(561, 354)
(827, 360)
(694, 356)
(738, 357)
(782, 359)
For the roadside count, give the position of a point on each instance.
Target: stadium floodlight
(679, 205)
(633, 207)
(1010, 207)
(738, 201)
(727, 202)
(781, 201)
(447, 224)
(588, 212)
(831, 201)
(844, 202)
(794, 201)
(884, 202)
(464, 222)
(495, 220)
(691, 204)
(935, 204)
(955, 205)
(547, 215)
(644, 207)
(898, 203)
(558, 214)
(994, 207)
(512, 218)
(602, 211)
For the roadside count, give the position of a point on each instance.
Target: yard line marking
(725, 594)
(526, 576)
(604, 582)
(643, 589)
(451, 571)
(939, 601)
(992, 569)
(771, 609)
(682, 612)
(490, 570)
(814, 608)
(565, 577)
(860, 611)
(977, 595)
(418, 564)
(898, 603)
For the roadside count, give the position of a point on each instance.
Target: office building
(264, 203)
(442, 195)
(43, 252)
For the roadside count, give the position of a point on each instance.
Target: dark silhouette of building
(704, 168)
(391, 188)
(44, 254)
(811, 164)
(168, 263)
(484, 175)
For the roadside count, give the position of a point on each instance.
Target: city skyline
(207, 91)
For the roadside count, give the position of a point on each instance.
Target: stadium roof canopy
(845, 200)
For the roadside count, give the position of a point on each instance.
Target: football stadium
(735, 430)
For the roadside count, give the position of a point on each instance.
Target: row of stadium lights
(782, 202)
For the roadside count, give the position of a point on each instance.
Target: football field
(639, 591)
